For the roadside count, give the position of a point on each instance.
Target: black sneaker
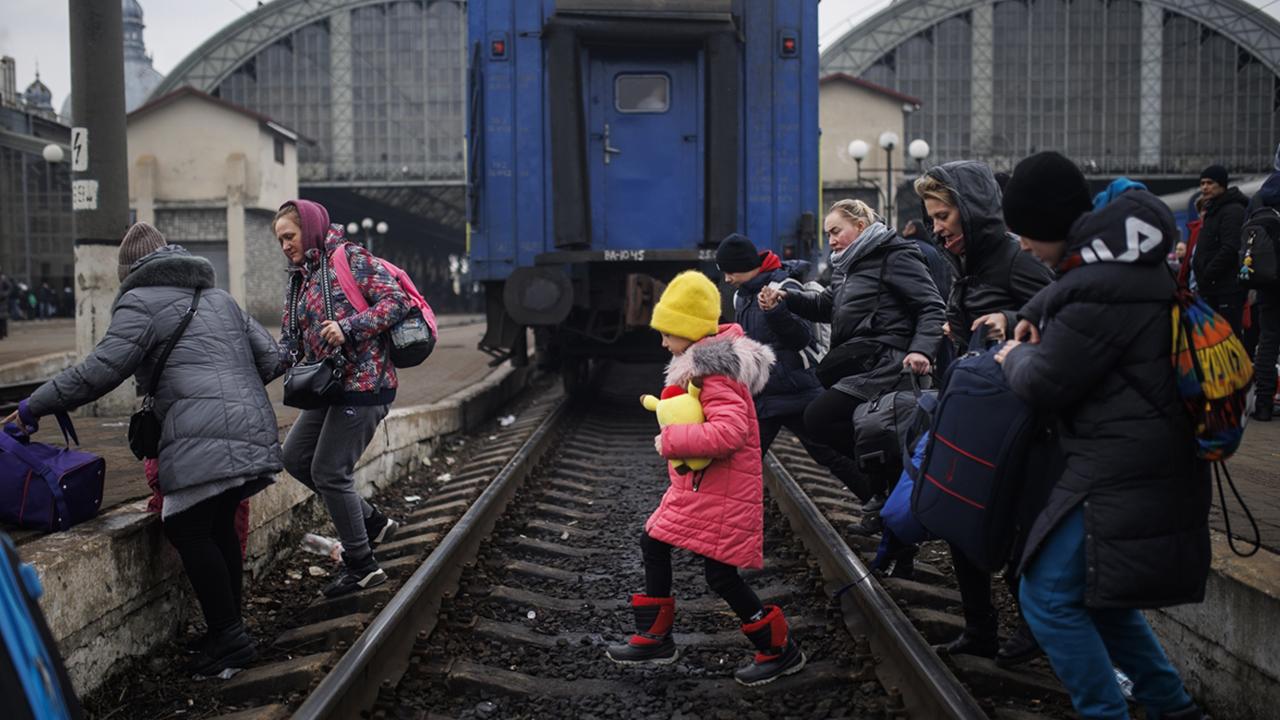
(356, 576)
(380, 528)
(225, 654)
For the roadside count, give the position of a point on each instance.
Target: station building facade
(1156, 89)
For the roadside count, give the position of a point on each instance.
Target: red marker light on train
(788, 45)
(499, 48)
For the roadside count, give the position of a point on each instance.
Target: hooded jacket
(909, 316)
(1216, 262)
(368, 376)
(723, 518)
(1103, 368)
(792, 383)
(218, 428)
(994, 274)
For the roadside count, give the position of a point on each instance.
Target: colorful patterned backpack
(1214, 375)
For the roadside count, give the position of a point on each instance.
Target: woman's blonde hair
(854, 210)
(928, 186)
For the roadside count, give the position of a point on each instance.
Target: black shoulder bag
(317, 384)
(144, 425)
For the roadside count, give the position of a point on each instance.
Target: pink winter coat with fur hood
(724, 518)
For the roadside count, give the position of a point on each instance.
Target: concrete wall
(1225, 646)
(119, 586)
(264, 279)
(848, 112)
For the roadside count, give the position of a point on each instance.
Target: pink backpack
(414, 337)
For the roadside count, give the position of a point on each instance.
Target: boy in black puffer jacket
(1126, 526)
(792, 382)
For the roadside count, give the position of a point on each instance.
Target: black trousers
(843, 467)
(829, 420)
(1264, 359)
(975, 593)
(721, 578)
(205, 536)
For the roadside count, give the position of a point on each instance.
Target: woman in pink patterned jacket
(718, 512)
(324, 444)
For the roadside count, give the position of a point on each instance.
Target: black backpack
(1258, 249)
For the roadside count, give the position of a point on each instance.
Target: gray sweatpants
(321, 451)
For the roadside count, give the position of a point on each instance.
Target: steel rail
(937, 692)
(382, 651)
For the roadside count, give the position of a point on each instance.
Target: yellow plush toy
(678, 407)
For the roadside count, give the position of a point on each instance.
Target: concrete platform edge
(118, 584)
(37, 368)
(1223, 646)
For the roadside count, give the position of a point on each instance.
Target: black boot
(1262, 413)
(230, 649)
(1020, 648)
(652, 642)
(777, 653)
(904, 563)
(979, 638)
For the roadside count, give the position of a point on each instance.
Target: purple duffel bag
(45, 487)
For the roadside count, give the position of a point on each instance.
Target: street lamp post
(918, 150)
(888, 141)
(370, 227)
(858, 150)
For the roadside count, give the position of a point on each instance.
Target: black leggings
(205, 536)
(721, 578)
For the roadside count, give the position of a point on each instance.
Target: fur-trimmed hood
(170, 266)
(730, 353)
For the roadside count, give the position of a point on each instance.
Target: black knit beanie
(737, 254)
(1216, 173)
(1045, 195)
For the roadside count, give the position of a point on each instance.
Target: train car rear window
(635, 93)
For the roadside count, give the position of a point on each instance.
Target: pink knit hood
(315, 223)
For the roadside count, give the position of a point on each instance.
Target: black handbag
(315, 384)
(144, 425)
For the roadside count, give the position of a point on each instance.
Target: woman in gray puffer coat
(219, 442)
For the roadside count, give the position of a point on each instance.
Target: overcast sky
(36, 31)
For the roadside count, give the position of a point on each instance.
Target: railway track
(509, 579)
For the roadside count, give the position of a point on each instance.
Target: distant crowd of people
(20, 301)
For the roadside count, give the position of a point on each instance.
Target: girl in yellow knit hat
(718, 512)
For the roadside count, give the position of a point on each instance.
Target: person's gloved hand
(23, 422)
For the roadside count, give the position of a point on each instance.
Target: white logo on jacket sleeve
(1140, 237)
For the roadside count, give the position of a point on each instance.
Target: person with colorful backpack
(325, 330)
(716, 512)
(1126, 526)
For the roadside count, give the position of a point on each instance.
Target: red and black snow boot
(652, 642)
(777, 653)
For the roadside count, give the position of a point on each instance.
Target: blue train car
(613, 143)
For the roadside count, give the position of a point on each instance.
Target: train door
(645, 153)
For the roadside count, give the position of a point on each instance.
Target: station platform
(455, 364)
(114, 588)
